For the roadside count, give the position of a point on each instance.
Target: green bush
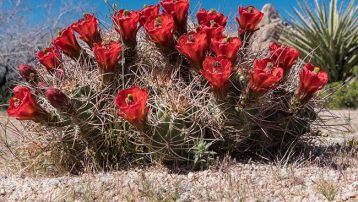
(327, 35)
(345, 96)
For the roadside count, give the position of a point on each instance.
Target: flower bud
(28, 73)
(58, 99)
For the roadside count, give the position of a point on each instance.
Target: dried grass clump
(187, 121)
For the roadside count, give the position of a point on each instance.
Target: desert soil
(328, 173)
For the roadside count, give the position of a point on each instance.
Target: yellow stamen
(212, 10)
(191, 38)
(16, 101)
(158, 22)
(129, 99)
(250, 9)
(216, 64)
(212, 23)
(316, 70)
(269, 65)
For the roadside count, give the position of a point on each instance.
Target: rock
(269, 30)
(270, 15)
(2, 192)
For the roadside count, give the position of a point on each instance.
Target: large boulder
(270, 30)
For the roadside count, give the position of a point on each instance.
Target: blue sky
(38, 12)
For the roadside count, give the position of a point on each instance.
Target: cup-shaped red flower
(161, 30)
(264, 77)
(312, 79)
(211, 18)
(107, 55)
(28, 73)
(87, 27)
(132, 105)
(66, 41)
(58, 99)
(284, 57)
(148, 12)
(193, 46)
(179, 10)
(211, 32)
(249, 18)
(23, 106)
(217, 71)
(126, 24)
(226, 46)
(50, 58)
(212, 22)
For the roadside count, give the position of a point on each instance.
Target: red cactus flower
(217, 71)
(312, 79)
(211, 32)
(87, 27)
(107, 55)
(212, 22)
(148, 12)
(249, 18)
(226, 46)
(285, 57)
(161, 29)
(66, 41)
(22, 105)
(132, 105)
(50, 58)
(178, 9)
(211, 18)
(126, 24)
(28, 73)
(193, 46)
(265, 76)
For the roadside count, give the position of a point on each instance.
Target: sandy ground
(329, 173)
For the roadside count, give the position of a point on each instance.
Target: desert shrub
(327, 35)
(344, 96)
(167, 93)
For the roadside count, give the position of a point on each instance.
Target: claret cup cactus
(157, 88)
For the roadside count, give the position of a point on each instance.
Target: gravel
(329, 175)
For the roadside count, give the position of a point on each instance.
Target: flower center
(216, 64)
(158, 22)
(126, 13)
(269, 65)
(16, 101)
(212, 23)
(212, 11)
(145, 6)
(316, 70)
(191, 38)
(129, 99)
(226, 40)
(250, 9)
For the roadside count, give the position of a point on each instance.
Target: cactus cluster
(171, 91)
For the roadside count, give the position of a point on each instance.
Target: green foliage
(344, 96)
(329, 35)
(4, 98)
